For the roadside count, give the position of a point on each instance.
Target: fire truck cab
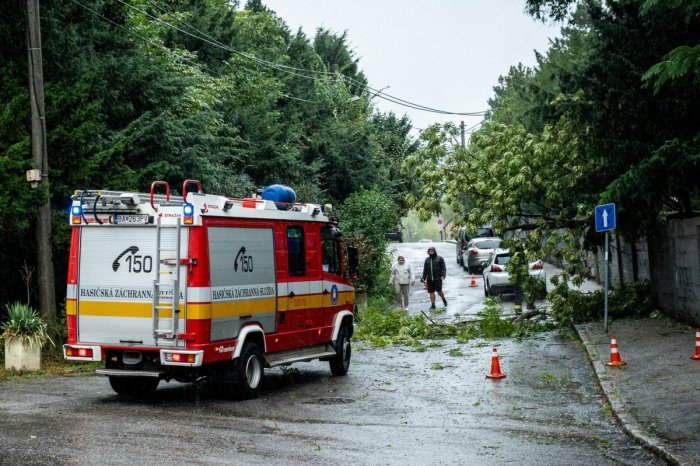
(205, 287)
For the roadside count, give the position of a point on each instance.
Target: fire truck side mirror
(353, 263)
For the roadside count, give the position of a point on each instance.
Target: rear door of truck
(116, 273)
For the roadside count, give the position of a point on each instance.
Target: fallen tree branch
(428, 317)
(529, 314)
(514, 317)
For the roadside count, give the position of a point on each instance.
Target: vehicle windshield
(502, 260)
(487, 244)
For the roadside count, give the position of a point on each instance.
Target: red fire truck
(205, 287)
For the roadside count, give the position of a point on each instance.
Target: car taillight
(473, 251)
(496, 268)
(537, 265)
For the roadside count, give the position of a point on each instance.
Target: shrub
(26, 324)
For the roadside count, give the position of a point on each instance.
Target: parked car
(395, 234)
(497, 278)
(478, 252)
(464, 236)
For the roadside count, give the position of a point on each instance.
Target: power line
(145, 39)
(213, 41)
(284, 68)
(468, 130)
(170, 51)
(293, 70)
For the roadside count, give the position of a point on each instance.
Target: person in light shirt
(402, 278)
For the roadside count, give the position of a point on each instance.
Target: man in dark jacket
(434, 271)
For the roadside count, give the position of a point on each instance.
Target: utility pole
(47, 295)
(461, 126)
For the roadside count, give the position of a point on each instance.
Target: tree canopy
(609, 114)
(139, 90)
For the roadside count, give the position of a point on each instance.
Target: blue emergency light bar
(76, 212)
(188, 214)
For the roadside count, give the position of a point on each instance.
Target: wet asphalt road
(396, 406)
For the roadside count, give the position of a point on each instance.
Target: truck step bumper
(127, 373)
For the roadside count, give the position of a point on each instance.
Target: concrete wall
(676, 270)
(670, 263)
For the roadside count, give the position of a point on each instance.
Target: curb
(626, 420)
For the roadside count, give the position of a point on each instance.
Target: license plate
(130, 218)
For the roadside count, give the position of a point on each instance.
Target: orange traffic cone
(697, 345)
(473, 282)
(495, 367)
(615, 354)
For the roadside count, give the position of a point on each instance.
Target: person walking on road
(402, 277)
(434, 271)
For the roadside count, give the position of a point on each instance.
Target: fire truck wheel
(134, 386)
(341, 361)
(249, 371)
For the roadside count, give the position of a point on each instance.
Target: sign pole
(607, 277)
(604, 222)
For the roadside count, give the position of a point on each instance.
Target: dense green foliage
(381, 325)
(365, 218)
(611, 113)
(138, 90)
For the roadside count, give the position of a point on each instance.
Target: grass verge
(51, 365)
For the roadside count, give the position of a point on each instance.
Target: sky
(444, 54)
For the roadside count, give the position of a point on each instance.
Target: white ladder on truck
(166, 293)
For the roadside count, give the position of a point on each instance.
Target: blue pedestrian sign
(605, 217)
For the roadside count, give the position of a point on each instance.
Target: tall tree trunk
(620, 268)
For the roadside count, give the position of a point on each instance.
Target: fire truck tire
(343, 351)
(134, 386)
(248, 370)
